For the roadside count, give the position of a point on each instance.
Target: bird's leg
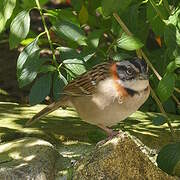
(109, 132)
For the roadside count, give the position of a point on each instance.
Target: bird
(105, 95)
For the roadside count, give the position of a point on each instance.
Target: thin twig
(126, 30)
(47, 33)
(177, 90)
(153, 94)
(176, 99)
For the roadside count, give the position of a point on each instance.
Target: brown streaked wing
(86, 83)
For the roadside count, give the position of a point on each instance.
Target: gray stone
(27, 159)
(120, 158)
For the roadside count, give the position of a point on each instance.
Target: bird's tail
(50, 108)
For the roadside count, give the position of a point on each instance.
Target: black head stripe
(140, 64)
(131, 92)
(137, 65)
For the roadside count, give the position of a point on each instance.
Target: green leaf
(76, 66)
(19, 28)
(156, 23)
(70, 31)
(170, 36)
(63, 14)
(131, 18)
(83, 15)
(40, 89)
(168, 159)
(47, 68)
(93, 38)
(59, 81)
(129, 43)
(77, 4)
(166, 86)
(27, 51)
(111, 6)
(159, 120)
(30, 4)
(69, 53)
(120, 56)
(88, 56)
(174, 18)
(174, 65)
(31, 68)
(6, 10)
(27, 41)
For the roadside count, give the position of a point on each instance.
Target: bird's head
(132, 74)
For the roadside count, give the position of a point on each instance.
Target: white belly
(110, 114)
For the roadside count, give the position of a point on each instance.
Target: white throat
(136, 85)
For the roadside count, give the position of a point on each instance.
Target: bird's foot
(111, 134)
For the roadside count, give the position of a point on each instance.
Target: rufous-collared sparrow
(105, 95)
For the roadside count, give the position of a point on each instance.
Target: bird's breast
(108, 111)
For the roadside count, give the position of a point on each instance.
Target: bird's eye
(129, 71)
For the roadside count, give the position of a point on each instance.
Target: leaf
(168, 158)
(170, 106)
(40, 89)
(6, 10)
(76, 66)
(159, 120)
(174, 65)
(88, 56)
(155, 15)
(120, 56)
(19, 28)
(129, 43)
(166, 86)
(111, 6)
(77, 4)
(27, 51)
(59, 81)
(174, 18)
(30, 4)
(70, 31)
(83, 15)
(156, 23)
(170, 36)
(69, 53)
(93, 38)
(131, 17)
(63, 14)
(31, 68)
(47, 68)
(27, 41)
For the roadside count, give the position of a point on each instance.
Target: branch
(158, 102)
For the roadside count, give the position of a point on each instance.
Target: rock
(27, 158)
(118, 159)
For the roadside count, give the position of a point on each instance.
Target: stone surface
(27, 158)
(118, 159)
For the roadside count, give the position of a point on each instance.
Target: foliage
(89, 32)
(171, 155)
